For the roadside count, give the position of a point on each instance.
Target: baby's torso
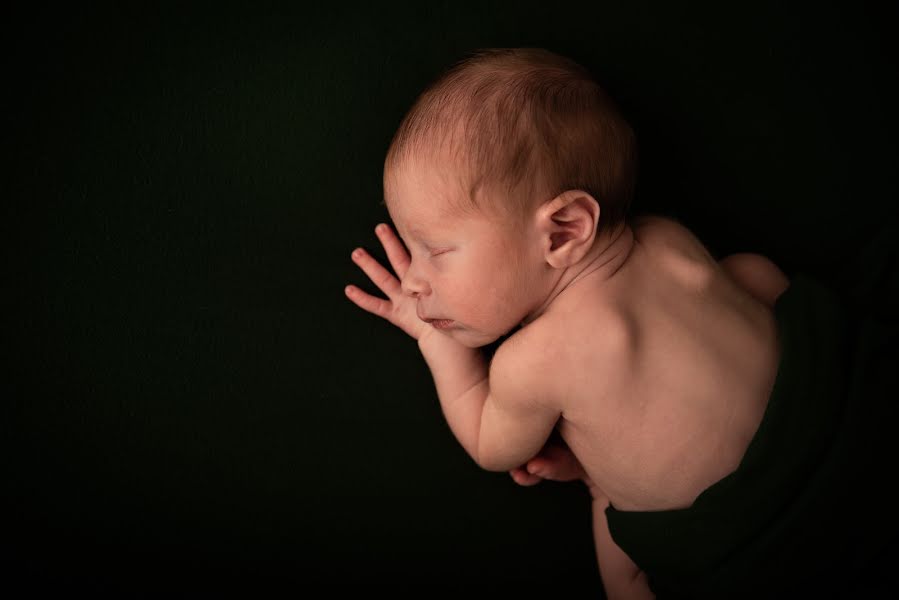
(669, 369)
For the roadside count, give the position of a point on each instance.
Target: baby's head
(507, 153)
(511, 129)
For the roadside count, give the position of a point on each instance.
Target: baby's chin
(476, 339)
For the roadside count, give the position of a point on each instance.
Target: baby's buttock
(686, 395)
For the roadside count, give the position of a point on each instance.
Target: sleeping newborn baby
(509, 184)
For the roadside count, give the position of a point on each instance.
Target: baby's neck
(601, 263)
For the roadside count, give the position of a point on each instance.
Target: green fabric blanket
(810, 509)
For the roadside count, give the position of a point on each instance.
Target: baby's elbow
(490, 459)
(497, 466)
(489, 463)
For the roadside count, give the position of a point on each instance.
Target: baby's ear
(567, 226)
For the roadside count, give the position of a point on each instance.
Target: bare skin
(666, 403)
(712, 327)
(751, 272)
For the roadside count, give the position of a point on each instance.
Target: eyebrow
(419, 237)
(416, 232)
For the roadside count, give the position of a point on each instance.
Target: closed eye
(439, 252)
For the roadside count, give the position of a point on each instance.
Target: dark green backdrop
(192, 401)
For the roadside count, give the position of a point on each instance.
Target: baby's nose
(413, 286)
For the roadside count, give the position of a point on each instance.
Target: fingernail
(357, 252)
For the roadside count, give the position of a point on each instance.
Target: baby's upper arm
(518, 416)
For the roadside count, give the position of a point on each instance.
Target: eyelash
(438, 252)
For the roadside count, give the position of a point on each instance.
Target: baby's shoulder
(670, 234)
(519, 350)
(520, 359)
(552, 352)
(676, 250)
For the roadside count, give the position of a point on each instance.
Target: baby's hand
(555, 462)
(401, 309)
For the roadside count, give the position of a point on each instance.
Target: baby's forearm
(460, 375)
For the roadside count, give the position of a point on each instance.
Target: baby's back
(670, 366)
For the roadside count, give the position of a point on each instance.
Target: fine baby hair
(516, 127)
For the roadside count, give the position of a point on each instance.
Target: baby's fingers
(380, 276)
(556, 464)
(372, 304)
(396, 252)
(522, 477)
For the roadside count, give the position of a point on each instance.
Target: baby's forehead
(431, 187)
(427, 172)
(418, 216)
